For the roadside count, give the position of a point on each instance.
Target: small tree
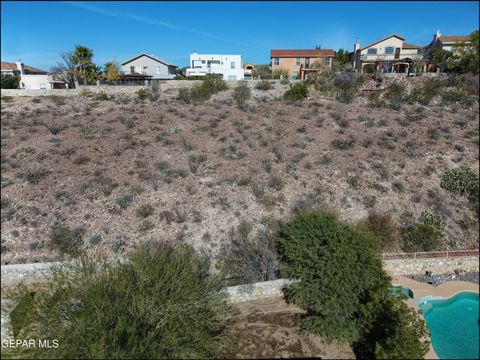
(112, 71)
(339, 269)
(9, 81)
(65, 70)
(280, 74)
(162, 303)
(263, 71)
(296, 92)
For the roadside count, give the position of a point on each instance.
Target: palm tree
(82, 58)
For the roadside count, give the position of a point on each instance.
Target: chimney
(20, 67)
(437, 35)
(356, 46)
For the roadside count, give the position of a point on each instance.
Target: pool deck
(421, 289)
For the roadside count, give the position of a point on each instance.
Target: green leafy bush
(162, 303)
(280, 74)
(297, 92)
(461, 181)
(344, 289)
(339, 272)
(9, 81)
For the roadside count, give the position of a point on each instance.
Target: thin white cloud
(154, 22)
(119, 15)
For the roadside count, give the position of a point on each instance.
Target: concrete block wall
(435, 265)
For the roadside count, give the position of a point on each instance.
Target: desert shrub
(264, 85)
(195, 160)
(142, 94)
(375, 100)
(85, 92)
(9, 81)
(386, 230)
(323, 82)
(457, 95)
(154, 91)
(247, 257)
(102, 96)
(242, 93)
(280, 74)
(461, 181)
(65, 240)
(118, 309)
(347, 84)
(344, 143)
(397, 94)
(285, 81)
(210, 85)
(369, 69)
(421, 237)
(467, 82)
(297, 92)
(144, 210)
(184, 95)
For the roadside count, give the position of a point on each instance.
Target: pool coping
(443, 291)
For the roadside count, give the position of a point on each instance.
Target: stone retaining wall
(436, 265)
(115, 89)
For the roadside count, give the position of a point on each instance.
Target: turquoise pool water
(454, 326)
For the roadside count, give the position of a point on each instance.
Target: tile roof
(445, 39)
(409, 46)
(29, 69)
(301, 53)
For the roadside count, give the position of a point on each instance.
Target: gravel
(436, 280)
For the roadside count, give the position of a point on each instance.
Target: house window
(145, 67)
(232, 77)
(132, 69)
(276, 61)
(327, 61)
(43, 86)
(294, 75)
(372, 51)
(389, 50)
(158, 69)
(297, 61)
(203, 61)
(232, 65)
(307, 62)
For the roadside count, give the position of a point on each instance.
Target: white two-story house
(229, 66)
(149, 65)
(388, 55)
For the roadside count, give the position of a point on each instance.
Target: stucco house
(448, 43)
(299, 63)
(229, 66)
(388, 55)
(150, 65)
(31, 77)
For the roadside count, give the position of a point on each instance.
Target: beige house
(299, 63)
(448, 43)
(388, 55)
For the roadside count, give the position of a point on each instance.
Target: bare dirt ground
(121, 173)
(270, 330)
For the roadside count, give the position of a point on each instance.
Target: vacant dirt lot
(271, 330)
(119, 172)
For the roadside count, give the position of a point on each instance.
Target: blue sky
(37, 32)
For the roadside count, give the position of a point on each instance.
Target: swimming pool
(454, 325)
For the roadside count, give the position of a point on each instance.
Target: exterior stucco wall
(290, 64)
(35, 81)
(223, 68)
(151, 68)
